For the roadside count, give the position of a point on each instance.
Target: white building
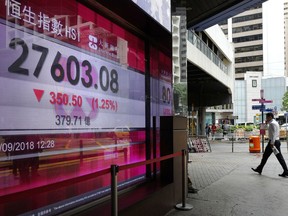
(273, 38)
(249, 89)
(249, 56)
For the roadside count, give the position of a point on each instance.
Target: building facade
(258, 37)
(272, 88)
(179, 34)
(245, 30)
(210, 52)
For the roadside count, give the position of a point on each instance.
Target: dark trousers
(268, 151)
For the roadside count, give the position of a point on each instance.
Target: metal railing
(203, 47)
(115, 169)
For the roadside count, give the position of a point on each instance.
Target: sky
(273, 38)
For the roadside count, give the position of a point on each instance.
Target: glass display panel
(72, 102)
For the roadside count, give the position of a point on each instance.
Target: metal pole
(184, 177)
(286, 131)
(262, 112)
(183, 205)
(232, 143)
(189, 122)
(114, 192)
(262, 134)
(154, 146)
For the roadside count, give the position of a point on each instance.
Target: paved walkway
(228, 187)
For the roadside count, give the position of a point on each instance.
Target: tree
(285, 102)
(181, 90)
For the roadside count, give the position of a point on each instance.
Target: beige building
(246, 32)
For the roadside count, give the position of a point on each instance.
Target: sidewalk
(227, 185)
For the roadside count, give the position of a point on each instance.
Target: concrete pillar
(201, 120)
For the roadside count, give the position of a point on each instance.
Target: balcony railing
(196, 41)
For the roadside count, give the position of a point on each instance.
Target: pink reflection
(48, 159)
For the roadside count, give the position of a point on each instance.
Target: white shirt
(273, 131)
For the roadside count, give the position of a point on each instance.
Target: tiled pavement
(228, 186)
(204, 170)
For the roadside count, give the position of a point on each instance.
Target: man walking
(273, 133)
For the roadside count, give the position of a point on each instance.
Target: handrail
(56, 185)
(128, 166)
(115, 169)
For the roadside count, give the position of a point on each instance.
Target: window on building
(248, 48)
(224, 22)
(254, 83)
(225, 31)
(247, 38)
(249, 59)
(247, 28)
(245, 69)
(247, 18)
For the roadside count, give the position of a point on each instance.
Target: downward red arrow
(38, 93)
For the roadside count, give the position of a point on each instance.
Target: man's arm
(272, 129)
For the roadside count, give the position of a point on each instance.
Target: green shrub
(219, 130)
(233, 128)
(249, 128)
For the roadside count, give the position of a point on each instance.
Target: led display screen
(72, 102)
(62, 88)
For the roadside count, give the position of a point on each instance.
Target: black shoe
(256, 170)
(192, 190)
(284, 174)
